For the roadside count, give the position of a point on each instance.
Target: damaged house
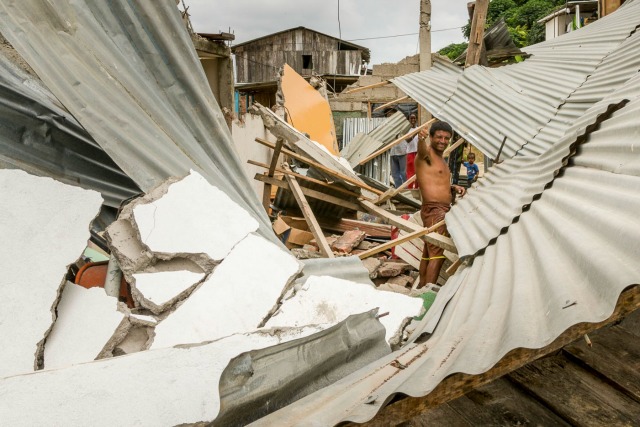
(224, 325)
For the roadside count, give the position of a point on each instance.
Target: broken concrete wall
(88, 321)
(325, 300)
(44, 226)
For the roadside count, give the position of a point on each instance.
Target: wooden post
(395, 142)
(312, 222)
(392, 243)
(424, 39)
(476, 38)
(266, 190)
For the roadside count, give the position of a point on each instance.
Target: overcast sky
(249, 19)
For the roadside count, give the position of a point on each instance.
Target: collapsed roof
(122, 62)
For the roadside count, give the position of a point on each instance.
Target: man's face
(440, 140)
(412, 120)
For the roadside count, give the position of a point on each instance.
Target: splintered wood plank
(615, 354)
(501, 403)
(308, 192)
(576, 394)
(433, 238)
(353, 181)
(393, 192)
(314, 227)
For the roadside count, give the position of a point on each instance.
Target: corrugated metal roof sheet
(565, 261)
(129, 73)
(506, 189)
(39, 136)
(519, 99)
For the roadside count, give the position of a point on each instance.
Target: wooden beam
(371, 86)
(393, 192)
(396, 142)
(452, 147)
(314, 227)
(323, 168)
(395, 242)
(306, 178)
(476, 37)
(266, 190)
(453, 267)
(457, 385)
(308, 192)
(435, 239)
(395, 101)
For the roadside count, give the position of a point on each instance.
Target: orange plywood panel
(307, 110)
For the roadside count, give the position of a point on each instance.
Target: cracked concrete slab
(164, 387)
(160, 291)
(44, 228)
(328, 300)
(87, 321)
(238, 296)
(192, 217)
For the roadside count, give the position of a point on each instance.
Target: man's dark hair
(439, 125)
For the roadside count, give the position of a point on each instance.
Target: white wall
(245, 130)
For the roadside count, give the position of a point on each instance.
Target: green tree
(453, 50)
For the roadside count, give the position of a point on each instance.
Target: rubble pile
(204, 288)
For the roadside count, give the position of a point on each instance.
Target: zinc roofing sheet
(39, 136)
(518, 100)
(129, 73)
(506, 189)
(564, 262)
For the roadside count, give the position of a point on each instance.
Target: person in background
(412, 151)
(399, 163)
(472, 169)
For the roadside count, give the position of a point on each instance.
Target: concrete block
(368, 80)
(384, 71)
(238, 296)
(164, 387)
(44, 227)
(87, 320)
(372, 264)
(401, 70)
(324, 300)
(193, 217)
(158, 292)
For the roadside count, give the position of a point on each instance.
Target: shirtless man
(434, 181)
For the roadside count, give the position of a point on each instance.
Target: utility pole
(425, 47)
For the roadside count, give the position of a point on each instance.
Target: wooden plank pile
(329, 182)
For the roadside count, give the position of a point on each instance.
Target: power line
(403, 35)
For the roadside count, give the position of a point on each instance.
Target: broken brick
(349, 240)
